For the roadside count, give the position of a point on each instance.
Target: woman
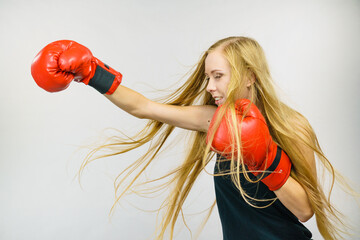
(229, 92)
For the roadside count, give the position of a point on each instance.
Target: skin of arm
(293, 196)
(196, 118)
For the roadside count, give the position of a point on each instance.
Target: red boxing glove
(60, 62)
(259, 151)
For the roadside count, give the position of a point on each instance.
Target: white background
(313, 52)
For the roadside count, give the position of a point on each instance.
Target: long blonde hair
(245, 56)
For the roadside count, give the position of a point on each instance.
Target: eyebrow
(214, 70)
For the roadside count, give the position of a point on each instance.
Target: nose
(210, 86)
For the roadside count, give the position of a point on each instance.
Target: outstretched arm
(195, 118)
(61, 62)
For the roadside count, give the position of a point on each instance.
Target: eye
(207, 78)
(218, 76)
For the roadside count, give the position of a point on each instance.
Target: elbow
(306, 215)
(138, 107)
(138, 114)
(140, 111)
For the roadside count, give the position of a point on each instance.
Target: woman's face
(218, 73)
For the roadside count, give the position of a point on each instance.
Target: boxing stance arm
(195, 118)
(258, 146)
(293, 196)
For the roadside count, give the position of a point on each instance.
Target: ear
(250, 79)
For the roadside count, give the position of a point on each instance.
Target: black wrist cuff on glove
(102, 80)
(274, 164)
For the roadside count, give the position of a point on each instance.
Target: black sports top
(240, 221)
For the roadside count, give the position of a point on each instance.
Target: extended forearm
(130, 101)
(188, 117)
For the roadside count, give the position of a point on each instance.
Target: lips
(218, 100)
